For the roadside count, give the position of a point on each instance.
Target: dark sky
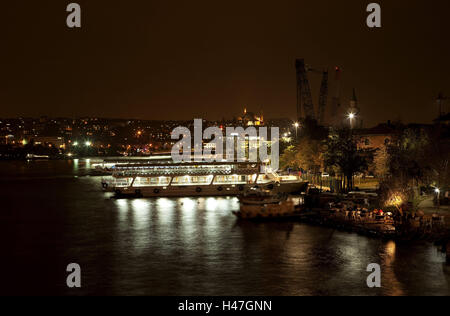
(184, 59)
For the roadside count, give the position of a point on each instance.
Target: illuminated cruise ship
(149, 178)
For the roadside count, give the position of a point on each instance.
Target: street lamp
(296, 125)
(88, 144)
(438, 192)
(351, 116)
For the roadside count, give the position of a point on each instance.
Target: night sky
(185, 59)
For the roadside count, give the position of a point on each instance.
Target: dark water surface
(52, 214)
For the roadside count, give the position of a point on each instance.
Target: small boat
(260, 204)
(258, 196)
(37, 157)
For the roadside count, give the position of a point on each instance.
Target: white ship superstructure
(165, 178)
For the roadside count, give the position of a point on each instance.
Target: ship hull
(207, 190)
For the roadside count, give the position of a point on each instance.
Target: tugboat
(260, 204)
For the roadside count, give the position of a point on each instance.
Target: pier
(351, 223)
(352, 215)
(382, 226)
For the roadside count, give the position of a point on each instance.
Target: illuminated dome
(251, 119)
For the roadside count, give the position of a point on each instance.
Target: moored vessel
(165, 178)
(260, 204)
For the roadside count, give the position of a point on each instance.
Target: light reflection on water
(210, 252)
(190, 246)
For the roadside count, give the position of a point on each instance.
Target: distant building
(378, 138)
(7, 140)
(250, 119)
(443, 119)
(57, 142)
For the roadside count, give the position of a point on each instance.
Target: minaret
(440, 102)
(354, 104)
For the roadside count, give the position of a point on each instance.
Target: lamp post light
(351, 116)
(438, 192)
(296, 125)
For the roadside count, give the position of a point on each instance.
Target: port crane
(440, 102)
(304, 97)
(305, 106)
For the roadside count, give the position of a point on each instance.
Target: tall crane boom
(304, 98)
(336, 101)
(323, 97)
(440, 102)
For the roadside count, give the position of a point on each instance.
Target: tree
(437, 161)
(419, 157)
(306, 155)
(342, 153)
(288, 158)
(307, 152)
(380, 163)
(407, 157)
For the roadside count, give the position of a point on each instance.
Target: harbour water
(53, 213)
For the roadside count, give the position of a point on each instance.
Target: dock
(385, 227)
(363, 226)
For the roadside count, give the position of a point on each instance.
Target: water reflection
(122, 207)
(165, 209)
(388, 269)
(188, 222)
(188, 246)
(196, 246)
(75, 165)
(141, 214)
(390, 250)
